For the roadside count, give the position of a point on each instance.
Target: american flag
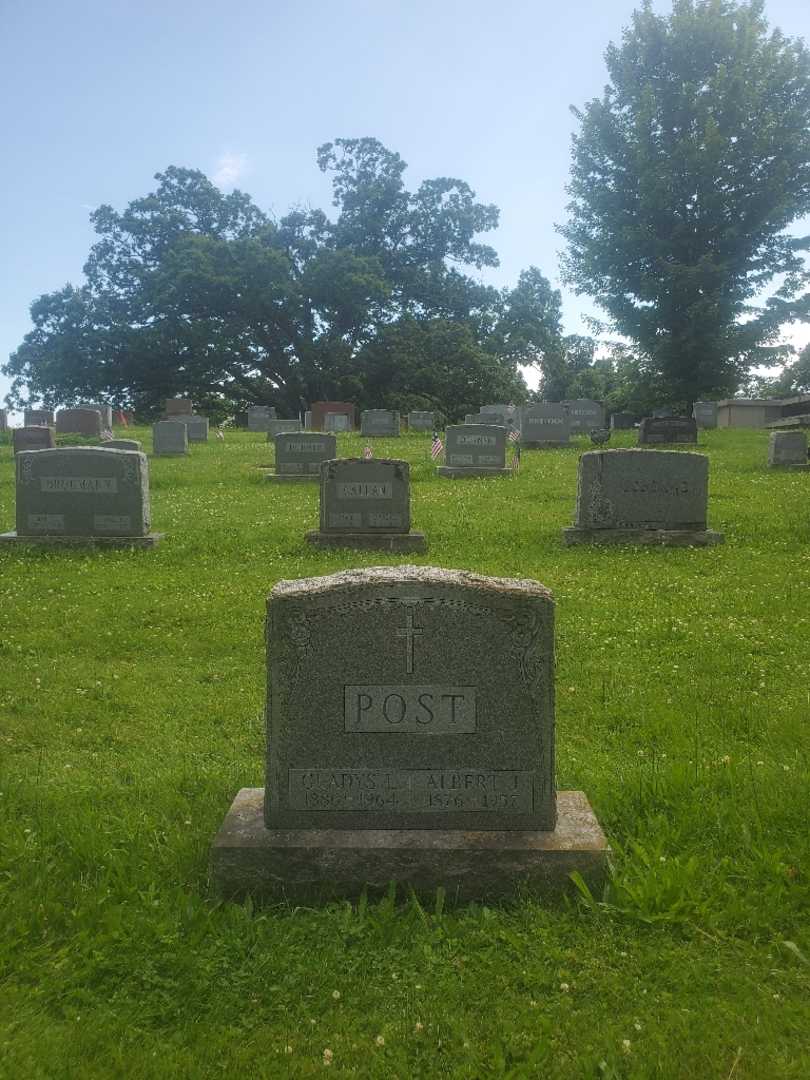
(516, 458)
(106, 435)
(220, 434)
(367, 452)
(514, 434)
(122, 418)
(436, 446)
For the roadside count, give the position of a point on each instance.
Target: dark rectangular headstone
(667, 430)
(544, 424)
(379, 422)
(79, 422)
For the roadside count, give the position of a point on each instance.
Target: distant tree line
(687, 175)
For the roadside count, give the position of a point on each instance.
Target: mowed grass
(131, 698)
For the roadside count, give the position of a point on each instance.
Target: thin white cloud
(230, 168)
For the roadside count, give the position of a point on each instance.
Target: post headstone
(340, 408)
(277, 427)
(423, 751)
(365, 503)
(32, 438)
(38, 418)
(258, 417)
(584, 415)
(179, 406)
(79, 422)
(379, 422)
(299, 455)
(667, 430)
(420, 420)
(83, 494)
(544, 425)
(474, 450)
(705, 414)
(622, 421)
(169, 438)
(788, 450)
(642, 497)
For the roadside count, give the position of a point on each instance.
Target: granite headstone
(705, 414)
(622, 421)
(788, 449)
(341, 408)
(86, 422)
(378, 423)
(474, 450)
(544, 425)
(299, 455)
(32, 438)
(38, 418)
(667, 431)
(277, 427)
(258, 417)
(584, 415)
(420, 420)
(169, 438)
(179, 406)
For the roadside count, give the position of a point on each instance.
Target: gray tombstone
(83, 494)
(299, 455)
(584, 415)
(277, 427)
(498, 414)
(335, 421)
(38, 418)
(544, 425)
(122, 444)
(258, 417)
(378, 423)
(410, 737)
(622, 421)
(308, 420)
(178, 406)
(788, 450)
(705, 414)
(474, 450)
(79, 422)
(420, 420)
(32, 438)
(169, 438)
(196, 426)
(366, 503)
(642, 497)
(106, 413)
(667, 431)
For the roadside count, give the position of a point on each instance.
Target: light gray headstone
(277, 427)
(79, 422)
(122, 444)
(544, 424)
(410, 698)
(361, 495)
(82, 491)
(301, 452)
(308, 420)
(374, 422)
(32, 438)
(169, 438)
(705, 414)
(196, 426)
(258, 417)
(642, 489)
(420, 420)
(106, 413)
(584, 415)
(178, 406)
(787, 448)
(38, 418)
(475, 446)
(333, 421)
(667, 430)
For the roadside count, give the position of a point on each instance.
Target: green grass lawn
(131, 698)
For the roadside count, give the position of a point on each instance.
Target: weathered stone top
(417, 575)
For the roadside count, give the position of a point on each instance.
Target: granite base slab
(247, 858)
(293, 478)
(798, 466)
(650, 537)
(148, 541)
(397, 542)
(455, 472)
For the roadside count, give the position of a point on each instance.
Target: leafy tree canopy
(193, 291)
(686, 175)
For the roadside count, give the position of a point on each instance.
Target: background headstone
(32, 438)
(584, 415)
(420, 420)
(79, 422)
(276, 427)
(474, 450)
(336, 421)
(197, 427)
(341, 408)
(787, 448)
(3, 420)
(622, 421)
(544, 424)
(299, 454)
(38, 418)
(705, 414)
(642, 496)
(169, 438)
(105, 410)
(379, 422)
(308, 420)
(667, 430)
(258, 417)
(178, 406)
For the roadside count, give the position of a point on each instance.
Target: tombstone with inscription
(544, 425)
(474, 450)
(667, 430)
(179, 406)
(169, 438)
(321, 409)
(421, 420)
(38, 418)
(584, 415)
(79, 422)
(642, 497)
(705, 414)
(622, 421)
(498, 414)
(32, 438)
(277, 427)
(299, 455)
(258, 417)
(366, 504)
(423, 751)
(122, 444)
(379, 422)
(787, 450)
(82, 495)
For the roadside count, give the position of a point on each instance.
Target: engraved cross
(409, 632)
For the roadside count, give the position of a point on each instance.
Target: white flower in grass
(564, 987)
(336, 995)
(626, 1046)
(328, 1056)
(380, 1040)
(417, 1027)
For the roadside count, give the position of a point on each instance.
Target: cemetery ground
(131, 712)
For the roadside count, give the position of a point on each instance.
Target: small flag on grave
(437, 446)
(367, 452)
(516, 458)
(106, 435)
(514, 435)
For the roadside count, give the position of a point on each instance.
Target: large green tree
(686, 176)
(190, 290)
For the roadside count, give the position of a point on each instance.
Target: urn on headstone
(365, 503)
(299, 455)
(82, 495)
(642, 497)
(474, 450)
(423, 750)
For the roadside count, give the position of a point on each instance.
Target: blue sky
(97, 96)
